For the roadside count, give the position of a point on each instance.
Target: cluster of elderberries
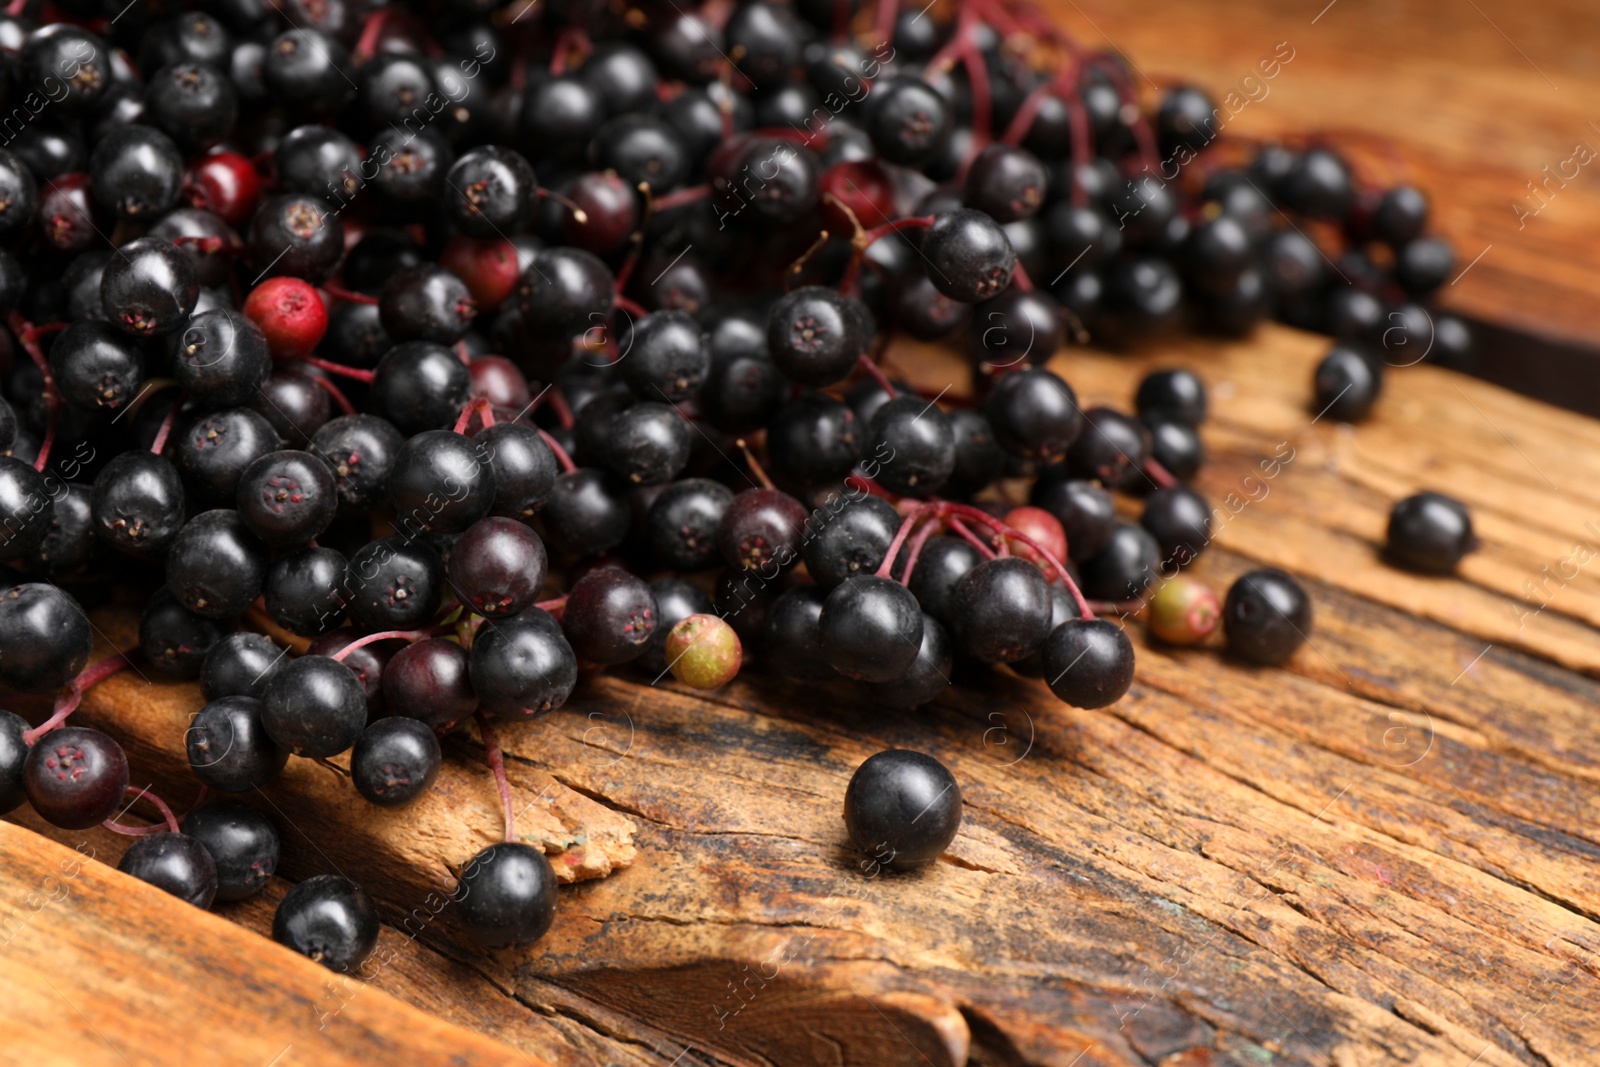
(408, 362)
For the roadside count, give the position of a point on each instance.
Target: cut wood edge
(166, 981)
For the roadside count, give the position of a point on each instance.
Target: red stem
(888, 10)
(875, 372)
(335, 392)
(633, 308)
(860, 481)
(915, 552)
(355, 373)
(497, 766)
(382, 635)
(26, 336)
(145, 831)
(560, 453)
(681, 197)
(913, 516)
(1159, 474)
(558, 404)
(1020, 279)
(349, 296)
(68, 702)
(473, 406)
(555, 607)
(961, 531)
(165, 430)
(1007, 531)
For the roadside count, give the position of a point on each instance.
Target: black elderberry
(1088, 662)
(330, 919)
(1034, 414)
(870, 628)
(149, 287)
(586, 513)
(361, 451)
(523, 666)
(429, 681)
(1266, 616)
(1176, 446)
(524, 469)
(969, 257)
(75, 777)
(242, 842)
(441, 483)
(229, 748)
(396, 584)
(507, 895)
(216, 565)
(1429, 532)
(1001, 610)
(426, 303)
(1347, 383)
(848, 537)
(1180, 520)
(220, 358)
(175, 640)
(24, 507)
(1122, 569)
(491, 191)
(902, 809)
(668, 357)
(138, 504)
(928, 675)
(44, 637)
(815, 335)
(136, 173)
(683, 523)
(96, 366)
(917, 443)
(241, 664)
(648, 444)
(420, 385)
(314, 706)
(396, 760)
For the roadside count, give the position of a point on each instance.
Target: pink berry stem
(354, 373)
(145, 831)
(873, 371)
(68, 702)
(1009, 532)
(27, 335)
(560, 453)
(336, 393)
(165, 430)
(412, 636)
(349, 296)
(691, 195)
(960, 529)
(1159, 474)
(927, 530)
(556, 607)
(913, 515)
(497, 766)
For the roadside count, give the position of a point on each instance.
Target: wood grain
(100, 968)
(1469, 100)
(1383, 853)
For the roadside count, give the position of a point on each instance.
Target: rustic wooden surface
(1471, 100)
(100, 968)
(1382, 853)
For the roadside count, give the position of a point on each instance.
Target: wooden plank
(1383, 853)
(100, 968)
(1388, 82)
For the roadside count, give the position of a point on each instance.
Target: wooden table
(1383, 852)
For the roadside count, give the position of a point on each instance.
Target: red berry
(489, 267)
(224, 182)
(1042, 527)
(291, 314)
(864, 188)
